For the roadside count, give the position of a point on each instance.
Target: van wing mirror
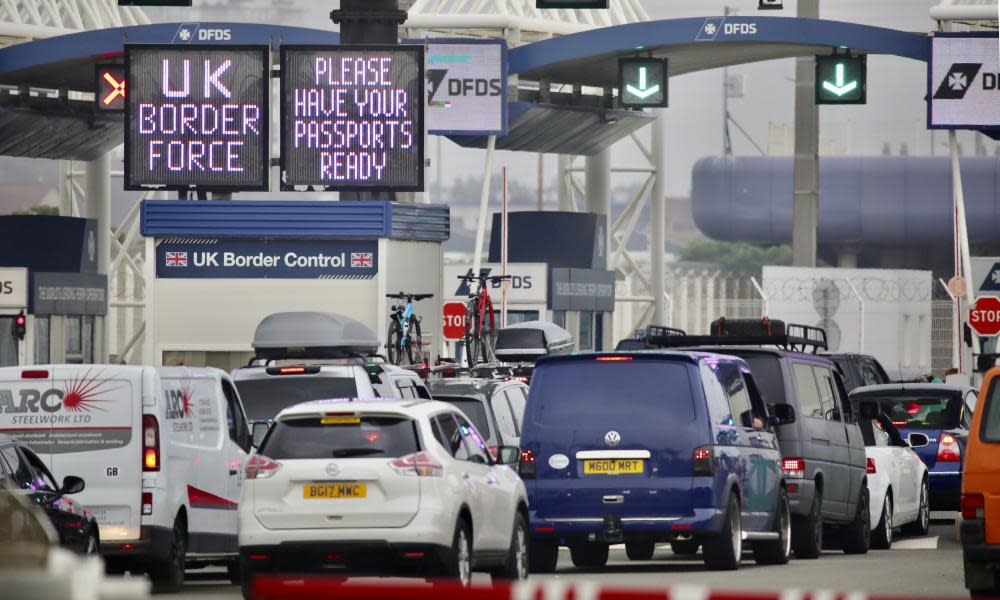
(259, 431)
(71, 485)
(783, 414)
(869, 410)
(508, 455)
(917, 440)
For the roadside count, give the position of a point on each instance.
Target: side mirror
(72, 485)
(870, 410)
(508, 455)
(917, 440)
(783, 414)
(259, 431)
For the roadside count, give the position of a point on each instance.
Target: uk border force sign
(964, 82)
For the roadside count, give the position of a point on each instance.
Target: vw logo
(332, 469)
(612, 438)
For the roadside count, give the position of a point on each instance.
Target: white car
(897, 481)
(380, 486)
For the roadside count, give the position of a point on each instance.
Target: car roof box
(317, 335)
(531, 340)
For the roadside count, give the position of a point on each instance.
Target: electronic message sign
(964, 81)
(196, 117)
(352, 117)
(467, 87)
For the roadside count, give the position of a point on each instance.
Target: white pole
(484, 205)
(956, 324)
(861, 303)
(504, 233)
(965, 366)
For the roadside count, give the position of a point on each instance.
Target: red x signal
(117, 88)
(109, 87)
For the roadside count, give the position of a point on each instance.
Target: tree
(39, 209)
(736, 256)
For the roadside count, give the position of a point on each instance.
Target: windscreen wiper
(349, 452)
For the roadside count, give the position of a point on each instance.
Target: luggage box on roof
(313, 335)
(531, 340)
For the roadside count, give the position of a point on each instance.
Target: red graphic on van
(83, 393)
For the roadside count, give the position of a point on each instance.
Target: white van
(162, 450)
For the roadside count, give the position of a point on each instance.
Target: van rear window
(603, 392)
(340, 437)
(924, 410)
(264, 398)
(766, 369)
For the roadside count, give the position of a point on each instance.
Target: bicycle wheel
(393, 345)
(488, 334)
(415, 349)
(472, 336)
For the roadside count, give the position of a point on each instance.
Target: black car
(859, 370)
(22, 470)
(495, 406)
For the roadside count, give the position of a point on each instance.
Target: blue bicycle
(405, 341)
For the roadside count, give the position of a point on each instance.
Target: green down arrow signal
(642, 92)
(840, 88)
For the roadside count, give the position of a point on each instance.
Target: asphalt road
(927, 566)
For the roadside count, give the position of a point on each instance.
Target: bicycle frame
(403, 317)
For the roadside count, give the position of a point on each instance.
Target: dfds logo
(740, 29)
(193, 31)
(217, 35)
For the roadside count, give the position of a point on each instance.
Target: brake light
(419, 464)
(703, 461)
(900, 423)
(292, 370)
(261, 467)
(150, 443)
(147, 503)
(613, 358)
(794, 468)
(948, 449)
(973, 506)
(34, 374)
(526, 466)
(871, 467)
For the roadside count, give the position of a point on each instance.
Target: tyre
(233, 571)
(857, 535)
(515, 567)
(923, 522)
(415, 348)
(392, 345)
(543, 556)
(723, 551)
(472, 339)
(882, 536)
(640, 550)
(589, 555)
(777, 552)
(807, 531)
(685, 547)
(459, 563)
(246, 575)
(168, 575)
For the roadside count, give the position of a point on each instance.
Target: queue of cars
(344, 464)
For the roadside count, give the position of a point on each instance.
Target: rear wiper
(348, 452)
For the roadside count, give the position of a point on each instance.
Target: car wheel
(857, 535)
(515, 567)
(246, 576)
(233, 570)
(882, 536)
(589, 555)
(923, 522)
(723, 551)
(459, 565)
(168, 575)
(807, 531)
(685, 547)
(543, 556)
(640, 550)
(777, 552)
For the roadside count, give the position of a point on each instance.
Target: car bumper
(344, 556)
(801, 493)
(945, 487)
(153, 544)
(615, 529)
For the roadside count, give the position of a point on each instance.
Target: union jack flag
(361, 260)
(177, 259)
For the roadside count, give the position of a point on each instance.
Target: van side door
(746, 452)
(857, 460)
(824, 442)
(236, 445)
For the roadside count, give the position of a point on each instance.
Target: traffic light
(110, 90)
(642, 82)
(19, 326)
(841, 79)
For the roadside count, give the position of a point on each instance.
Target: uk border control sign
(352, 117)
(964, 82)
(196, 117)
(467, 87)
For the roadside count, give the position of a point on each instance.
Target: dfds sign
(197, 117)
(352, 117)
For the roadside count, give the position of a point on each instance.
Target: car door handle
(821, 441)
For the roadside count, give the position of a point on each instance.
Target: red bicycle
(480, 332)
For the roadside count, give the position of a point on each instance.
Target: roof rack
(748, 332)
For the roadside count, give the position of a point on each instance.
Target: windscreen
(929, 411)
(472, 408)
(264, 398)
(341, 437)
(655, 391)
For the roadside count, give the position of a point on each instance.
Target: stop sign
(984, 317)
(454, 320)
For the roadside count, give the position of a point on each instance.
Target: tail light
(871, 467)
(147, 503)
(150, 444)
(34, 374)
(419, 464)
(261, 467)
(794, 468)
(948, 449)
(526, 466)
(704, 463)
(973, 506)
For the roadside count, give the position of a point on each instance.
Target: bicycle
(479, 334)
(404, 330)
